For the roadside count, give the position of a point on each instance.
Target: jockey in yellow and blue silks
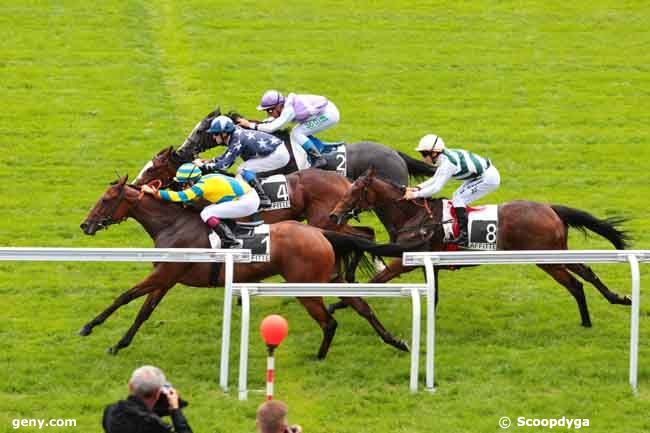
(230, 198)
(260, 151)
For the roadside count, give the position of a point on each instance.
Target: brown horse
(523, 225)
(300, 254)
(312, 193)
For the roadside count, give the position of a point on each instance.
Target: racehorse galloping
(300, 253)
(389, 163)
(312, 193)
(523, 225)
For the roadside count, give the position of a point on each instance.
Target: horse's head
(362, 195)
(112, 207)
(162, 167)
(198, 141)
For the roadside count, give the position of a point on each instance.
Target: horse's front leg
(147, 308)
(393, 269)
(164, 275)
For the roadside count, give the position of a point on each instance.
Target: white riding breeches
(301, 132)
(473, 189)
(273, 161)
(244, 206)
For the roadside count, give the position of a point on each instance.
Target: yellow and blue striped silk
(215, 188)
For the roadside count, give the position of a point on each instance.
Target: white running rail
(338, 290)
(431, 259)
(195, 255)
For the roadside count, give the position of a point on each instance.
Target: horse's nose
(84, 226)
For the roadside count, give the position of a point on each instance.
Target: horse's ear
(371, 171)
(124, 179)
(215, 113)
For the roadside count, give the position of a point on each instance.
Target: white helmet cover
(430, 143)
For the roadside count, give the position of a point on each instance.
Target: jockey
(260, 151)
(228, 198)
(311, 113)
(479, 175)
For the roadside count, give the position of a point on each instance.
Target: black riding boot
(316, 156)
(461, 240)
(228, 239)
(265, 201)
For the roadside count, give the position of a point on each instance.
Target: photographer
(272, 418)
(150, 397)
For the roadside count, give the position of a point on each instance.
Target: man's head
(430, 146)
(272, 102)
(146, 383)
(272, 417)
(221, 128)
(188, 174)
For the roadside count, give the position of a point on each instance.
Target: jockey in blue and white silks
(480, 177)
(260, 151)
(311, 113)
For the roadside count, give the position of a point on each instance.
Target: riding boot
(461, 240)
(265, 201)
(220, 227)
(316, 157)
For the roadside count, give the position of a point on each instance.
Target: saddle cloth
(483, 226)
(277, 189)
(253, 236)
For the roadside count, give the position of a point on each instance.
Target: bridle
(108, 219)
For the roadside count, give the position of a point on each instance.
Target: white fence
(427, 259)
(229, 257)
(431, 259)
(339, 290)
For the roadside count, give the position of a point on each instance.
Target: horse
(389, 163)
(312, 194)
(523, 225)
(299, 253)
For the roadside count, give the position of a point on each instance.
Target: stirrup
(461, 241)
(265, 204)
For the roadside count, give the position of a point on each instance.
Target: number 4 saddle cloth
(482, 230)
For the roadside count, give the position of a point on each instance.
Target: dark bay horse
(313, 194)
(299, 253)
(523, 225)
(389, 163)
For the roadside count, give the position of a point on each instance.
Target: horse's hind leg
(588, 274)
(147, 308)
(316, 309)
(562, 276)
(364, 310)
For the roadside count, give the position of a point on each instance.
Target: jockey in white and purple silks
(311, 113)
(260, 151)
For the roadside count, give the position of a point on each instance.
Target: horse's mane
(400, 187)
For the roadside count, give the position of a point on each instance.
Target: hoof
(85, 331)
(402, 345)
(627, 300)
(587, 324)
(112, 350)
(331, 308)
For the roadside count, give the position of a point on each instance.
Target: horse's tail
(608, 228)
(417, 168)
(348, 246)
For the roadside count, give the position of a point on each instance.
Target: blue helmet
(187, 172)
(221, 125)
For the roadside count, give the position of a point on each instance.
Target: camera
(161, 408)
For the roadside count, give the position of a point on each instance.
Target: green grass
(555, 93)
